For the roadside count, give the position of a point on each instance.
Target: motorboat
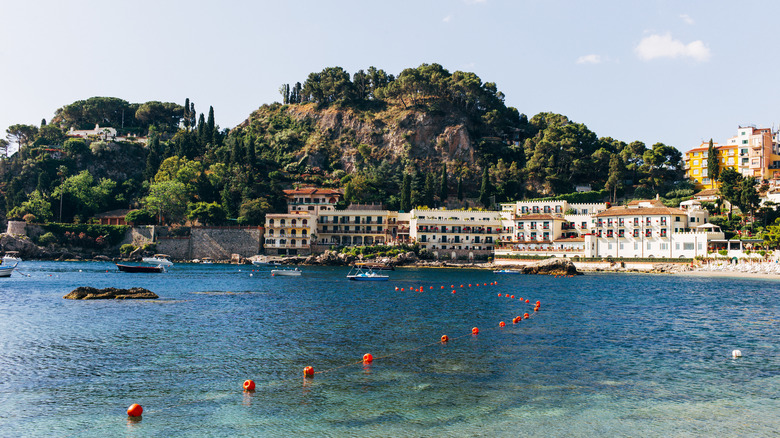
(11, 257)
(507, 271)
(286, 272)
(159, 259)
(5, 271)
(141, 268)
(266, 263)
(363, 272)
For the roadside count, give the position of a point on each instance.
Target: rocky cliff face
(392, 134)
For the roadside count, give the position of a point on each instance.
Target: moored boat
(286, 272)
(140, 268)
(159, 259)
(11, 257)
(6, 271)
(507, 271)
(363, 272)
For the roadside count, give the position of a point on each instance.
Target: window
(744, 142)
(609, 245)
(664, 246)
(584, 225)
(636, 245)
(677, 218)
(649, 245)
(695, 171)
(677, 246)
(621, 245)
(695, 162)
(688, 246)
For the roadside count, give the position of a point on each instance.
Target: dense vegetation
(426, 137)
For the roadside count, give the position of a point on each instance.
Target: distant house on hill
(106, 133)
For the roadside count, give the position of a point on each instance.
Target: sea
(613, 355)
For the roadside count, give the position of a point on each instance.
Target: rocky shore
(110, 293)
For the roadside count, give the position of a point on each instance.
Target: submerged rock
(552, 266)
(110, 293)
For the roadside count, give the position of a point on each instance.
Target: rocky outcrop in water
(551, 266)
(110, 293)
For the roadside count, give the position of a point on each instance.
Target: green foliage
(381, 250)
(168, 199)
(47, 238)
(579, 197)
(206, 213)
(127, 248)
(87, 235)
(140, 217)
(253, 211)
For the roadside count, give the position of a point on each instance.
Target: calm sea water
(607, 355)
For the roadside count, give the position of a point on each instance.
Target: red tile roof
(312, 191)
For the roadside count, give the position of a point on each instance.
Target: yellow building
(696, 161)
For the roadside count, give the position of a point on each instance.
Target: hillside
(425, 137)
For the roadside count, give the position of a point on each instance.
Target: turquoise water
(607, 355)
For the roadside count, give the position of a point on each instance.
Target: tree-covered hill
(423, 137)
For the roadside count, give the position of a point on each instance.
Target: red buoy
(308, 372)
(474, 331)
(249, 385)
(499, 295)
(442, 286)
(501, 324)
(453, 291)
(402, 289)
(445, 338)
(470, 285)
(135, 410)
(396, 288)
(525, 316)
(431, 287)
(527, 300)
(368, 358)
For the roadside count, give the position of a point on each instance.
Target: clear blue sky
(676, 72)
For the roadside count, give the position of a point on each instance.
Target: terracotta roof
(312, 191)
(624, 211)
(113, 213)
(707, 192)
(651, 201)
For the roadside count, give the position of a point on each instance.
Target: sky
(671, 71)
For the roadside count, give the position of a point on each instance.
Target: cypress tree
(406, 193)
(202, 131)
(429, 192)
(186, 116)
(713, 167)
(484, 191)
(443, 188)
(460, 188)
(250, 151)
(210, 126)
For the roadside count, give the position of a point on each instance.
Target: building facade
(753, 152)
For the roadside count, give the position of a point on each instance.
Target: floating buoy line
(309, 372)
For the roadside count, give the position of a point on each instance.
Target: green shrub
(127, 248)
(47, 239)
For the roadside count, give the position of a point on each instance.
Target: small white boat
(5, 271)
(159, 259)
(507, 271)
(286, 272)
(266, 263)
(11, 258)
(361, 272)
(207, 261)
